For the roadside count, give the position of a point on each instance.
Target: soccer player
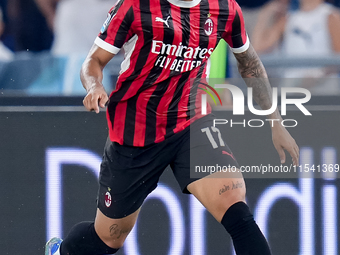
(154, 110)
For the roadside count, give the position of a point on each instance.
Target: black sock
(246, 235)
(83, 240)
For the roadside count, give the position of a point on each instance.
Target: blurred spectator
(251, 10)
(312, 30)
(5, 53)
(48, 9)
(270, 26)
(28, 26)
(6, 37)
(76, 23)
(3, 7)
(335, 2)
(251, 3)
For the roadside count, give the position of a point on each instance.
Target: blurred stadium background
(50, 148)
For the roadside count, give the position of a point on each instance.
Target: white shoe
(52, 246)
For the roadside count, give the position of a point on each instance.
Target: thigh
(202, 152)
(206, 167)
(128, 174)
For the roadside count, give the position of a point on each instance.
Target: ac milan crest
(208, 26)
(108, 199)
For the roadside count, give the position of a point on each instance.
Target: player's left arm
(255, 76)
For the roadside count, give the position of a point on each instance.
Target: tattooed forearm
(249, 64)
(255, 76)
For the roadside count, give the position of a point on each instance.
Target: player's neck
(309, 5)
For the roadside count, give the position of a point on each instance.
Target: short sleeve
(116, 29)
(235, 33)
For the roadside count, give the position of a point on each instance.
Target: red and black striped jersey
(167, 45)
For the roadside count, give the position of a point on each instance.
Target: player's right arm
(91, 76)
(115, 32)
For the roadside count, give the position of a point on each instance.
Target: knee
(84, 240)
(239, 194)
(113, 232)
(114, 243)
(116, 236)
(228, 196)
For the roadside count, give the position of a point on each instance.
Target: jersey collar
(185, 4)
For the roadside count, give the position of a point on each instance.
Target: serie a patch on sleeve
(107, 22)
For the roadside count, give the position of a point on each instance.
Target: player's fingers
(297, 154)
(103, 99)
(93, 104)
(293, 153)
(282, 154)
(86, 103)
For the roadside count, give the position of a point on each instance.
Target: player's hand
(282, 141)
(96, 97)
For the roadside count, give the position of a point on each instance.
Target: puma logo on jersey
(163, 21)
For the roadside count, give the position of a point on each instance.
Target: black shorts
(128, 174)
